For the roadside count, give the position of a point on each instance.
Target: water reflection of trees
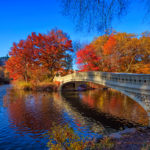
(36, 112)
(33, 112)
(80, 121)
(116, 104)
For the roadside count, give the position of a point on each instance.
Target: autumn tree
(87, 59)
(109, 46)
(52, 51)
(21, 60)
(109, 54)
(119, 52)
(144, 57)
(42, 52)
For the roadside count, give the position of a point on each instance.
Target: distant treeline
(3, 73)
(3, 60)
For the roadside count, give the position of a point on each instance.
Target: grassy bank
(35, 86)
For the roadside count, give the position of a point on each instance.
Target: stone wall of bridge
(136, 86)
(133, 82)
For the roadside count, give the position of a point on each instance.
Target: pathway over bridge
(136, 86)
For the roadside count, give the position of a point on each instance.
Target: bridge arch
(135, 86)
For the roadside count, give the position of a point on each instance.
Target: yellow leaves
(143, 68)
(99, 43)
(63, 137)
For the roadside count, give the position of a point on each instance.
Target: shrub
(22, 85)
(64, 138)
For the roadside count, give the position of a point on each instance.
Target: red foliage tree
(109, 55)
(52, 49)
(21, 60)
(87, 59)
(39, 52)
(109, 46)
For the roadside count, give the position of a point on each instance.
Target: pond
(26, 116)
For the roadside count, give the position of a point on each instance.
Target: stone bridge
(136, 86)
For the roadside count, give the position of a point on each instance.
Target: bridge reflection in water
(111, 108)
(136, 86)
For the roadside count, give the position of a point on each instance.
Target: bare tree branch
(98, 14)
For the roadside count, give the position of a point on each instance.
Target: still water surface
(26, 116)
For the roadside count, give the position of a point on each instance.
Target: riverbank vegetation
(46, 86)
(64, 138)
(34, 62)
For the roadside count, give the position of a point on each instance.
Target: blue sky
(18, 18)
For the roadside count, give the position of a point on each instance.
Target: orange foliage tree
(119, 52)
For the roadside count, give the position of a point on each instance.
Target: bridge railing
(129, 78)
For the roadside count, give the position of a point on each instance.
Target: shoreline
(127, 139)
(38, 87)
(135, 139)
